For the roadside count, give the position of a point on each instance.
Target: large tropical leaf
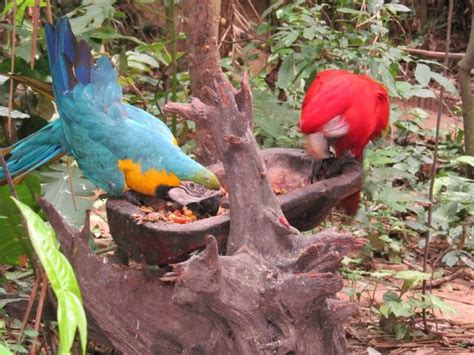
(14, 245)
(71, 314)
(57, 190)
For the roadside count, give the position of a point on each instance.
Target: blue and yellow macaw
(117, 146)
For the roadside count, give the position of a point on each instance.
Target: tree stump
(274, 292)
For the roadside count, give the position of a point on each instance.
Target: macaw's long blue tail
(34, 151)
(70, 61)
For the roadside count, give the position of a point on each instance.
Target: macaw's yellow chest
(145, 182)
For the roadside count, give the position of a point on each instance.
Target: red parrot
(345, 111)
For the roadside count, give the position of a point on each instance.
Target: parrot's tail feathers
(70, 61)
(34, 151)
(72, 68)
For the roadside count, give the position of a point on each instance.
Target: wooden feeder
(305, 205)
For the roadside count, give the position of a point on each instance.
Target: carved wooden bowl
(304, 205)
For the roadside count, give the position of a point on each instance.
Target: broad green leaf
(451, 258)
(420, 92)
(412, 275)
(290, 38)
(384, 310)
(93, 15)
(416, 226)
(60, 274)
(309, 33)
(391, 296)
(4, 350)
(445, 83)
(423, 74)
(379, 274)
(465, 159)
(286, 73)
(411, 278)
(71, 316)
(142, 58)
(400, 308)
(57, 190)
(399, 7)
(438, 303)
(14, 245)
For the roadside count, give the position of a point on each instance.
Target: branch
(435, 55)
(435, 162)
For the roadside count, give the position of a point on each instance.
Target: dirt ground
(450, 333)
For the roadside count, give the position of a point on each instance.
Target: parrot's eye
(192, 185)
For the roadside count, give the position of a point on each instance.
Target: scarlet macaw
(117, 146)
(345, 111)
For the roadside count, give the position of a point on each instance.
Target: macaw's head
(205, 178)
(199, 192)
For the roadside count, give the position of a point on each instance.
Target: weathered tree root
(240, 304)
(275, 290)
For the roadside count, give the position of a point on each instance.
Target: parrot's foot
(133, 197)
(316, 166)
(335, 166)
(330, 167)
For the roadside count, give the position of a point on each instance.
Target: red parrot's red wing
(329, 96)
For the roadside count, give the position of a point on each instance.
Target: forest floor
(449, 332)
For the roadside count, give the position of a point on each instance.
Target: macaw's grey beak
(197, 198)
(318, 146)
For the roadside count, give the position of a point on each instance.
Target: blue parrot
(118, 147)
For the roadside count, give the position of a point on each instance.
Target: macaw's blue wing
(35, 150)
(147, 120)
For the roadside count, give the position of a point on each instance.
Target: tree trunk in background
(200, 65)
(465, 67)
(421, 10)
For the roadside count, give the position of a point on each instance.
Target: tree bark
(274, 292)
(465, 67)
(203, 56)
(421, 11)
(237, 304)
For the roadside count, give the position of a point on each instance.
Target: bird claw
(316, 166)
(335, 166)
(329, 167)
(133, 197)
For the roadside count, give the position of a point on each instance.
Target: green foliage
(397, 311)
(56, 189)
(14, 245)
(396, 190)
(4, 350)
(306, 42)
(71, 314)
(275, 121)
(9, 345)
